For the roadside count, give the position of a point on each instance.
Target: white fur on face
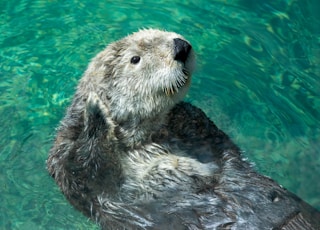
(145, 89)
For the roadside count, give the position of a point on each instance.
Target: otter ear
(97, 119)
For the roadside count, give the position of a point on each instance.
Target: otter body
(130, 155)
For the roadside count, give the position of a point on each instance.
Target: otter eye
(135, 59)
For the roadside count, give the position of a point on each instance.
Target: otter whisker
(179, 84)
(186, 72)
(181, 81)
(169, 90)
(166, 91)
(172, 89)
(175, 84)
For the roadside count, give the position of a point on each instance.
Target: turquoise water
(257, 78)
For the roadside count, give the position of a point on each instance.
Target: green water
(257, 78)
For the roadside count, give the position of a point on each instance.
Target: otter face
(142, 75)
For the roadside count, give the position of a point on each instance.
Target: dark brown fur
(165, 166)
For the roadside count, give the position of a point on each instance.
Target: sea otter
(131, 155)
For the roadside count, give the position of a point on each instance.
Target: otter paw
(97, 116)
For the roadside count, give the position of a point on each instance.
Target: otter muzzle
(181, 49)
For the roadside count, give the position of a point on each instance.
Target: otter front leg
(85, 165)
(97, 118)
(96, 141)
(93, 160)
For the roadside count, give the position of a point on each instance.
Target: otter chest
(155, 170)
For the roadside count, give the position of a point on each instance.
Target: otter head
(141, 76)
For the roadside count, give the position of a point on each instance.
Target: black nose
(181, 49)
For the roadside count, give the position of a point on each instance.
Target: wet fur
(130, 155)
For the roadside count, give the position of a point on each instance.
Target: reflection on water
(257, 78)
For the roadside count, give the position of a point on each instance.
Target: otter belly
(156, 170)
